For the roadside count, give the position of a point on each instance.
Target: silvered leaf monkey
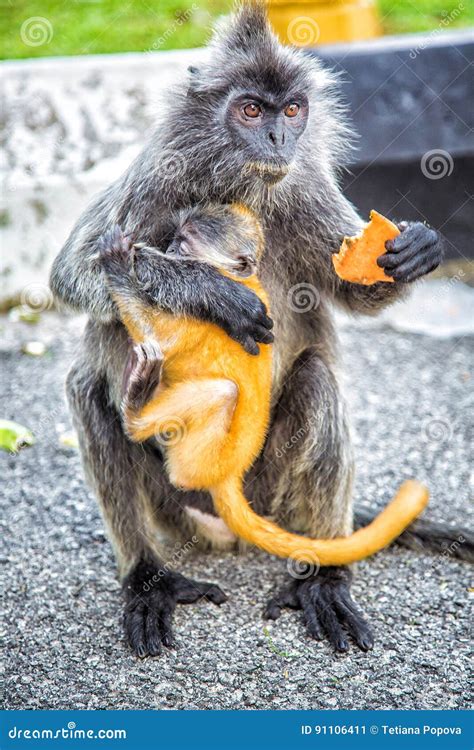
(213, 397)
(258, 124)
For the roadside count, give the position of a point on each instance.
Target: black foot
(141, 375)
(328, 609)
(152, 594)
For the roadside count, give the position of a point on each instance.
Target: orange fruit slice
(356, 260)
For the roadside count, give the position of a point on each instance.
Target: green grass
(79, 27)
(403, 16)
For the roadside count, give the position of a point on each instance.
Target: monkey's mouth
(267, 171)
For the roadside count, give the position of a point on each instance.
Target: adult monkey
(259, 124)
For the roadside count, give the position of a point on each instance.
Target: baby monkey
(187, 384)
(206, 400)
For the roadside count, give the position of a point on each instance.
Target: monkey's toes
(328, 609)
(215, 594)
(148, 626)
(142, 374)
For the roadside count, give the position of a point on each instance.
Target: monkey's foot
(328, 608)
(141, 375)
(152, 594)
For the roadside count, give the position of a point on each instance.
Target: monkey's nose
(276, 139)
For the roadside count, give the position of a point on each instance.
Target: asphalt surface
(411, 400)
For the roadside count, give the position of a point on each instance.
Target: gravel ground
(410, 398)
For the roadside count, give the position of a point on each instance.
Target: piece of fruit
(356, 260)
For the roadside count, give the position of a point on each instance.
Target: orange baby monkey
(209, 400)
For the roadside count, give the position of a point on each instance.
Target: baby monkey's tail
(233, 508)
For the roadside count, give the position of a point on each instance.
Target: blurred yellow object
(305, 23)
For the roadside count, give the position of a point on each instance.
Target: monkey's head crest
(245, 51)
(241, 127)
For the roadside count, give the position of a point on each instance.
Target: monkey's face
(221, 236)
(266, 127)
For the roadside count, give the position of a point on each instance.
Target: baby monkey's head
(228, 237)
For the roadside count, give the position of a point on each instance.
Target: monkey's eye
(252, 110)
(292, 109)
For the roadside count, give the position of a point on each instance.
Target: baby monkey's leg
(141, 377)
(191, 421)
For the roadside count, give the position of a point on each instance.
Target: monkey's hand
(152, 594)
(185, 287)
(416, 251)
(328, 608)
(116, 256)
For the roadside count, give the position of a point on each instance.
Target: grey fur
(305, 216)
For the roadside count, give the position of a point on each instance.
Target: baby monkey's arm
(228, 304)
(144, 362)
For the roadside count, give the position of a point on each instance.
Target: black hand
(152, 594)
(200, 291)
(241, 314)
(328, 608)
(416, 251)
(187, 287)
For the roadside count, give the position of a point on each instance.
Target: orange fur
(214, 403)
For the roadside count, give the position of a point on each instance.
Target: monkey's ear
(203, 79)
(195, 82)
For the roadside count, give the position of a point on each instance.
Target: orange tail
(234, 509)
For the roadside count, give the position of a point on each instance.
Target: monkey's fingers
(285, 598)
(329, 610)
(153, 633)
(249, 345)
(188, 591)
(142, 374)
(417, 250)
(264, 335)
(354, 621)
(266, 321)
(134, 624)
(326, 616)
